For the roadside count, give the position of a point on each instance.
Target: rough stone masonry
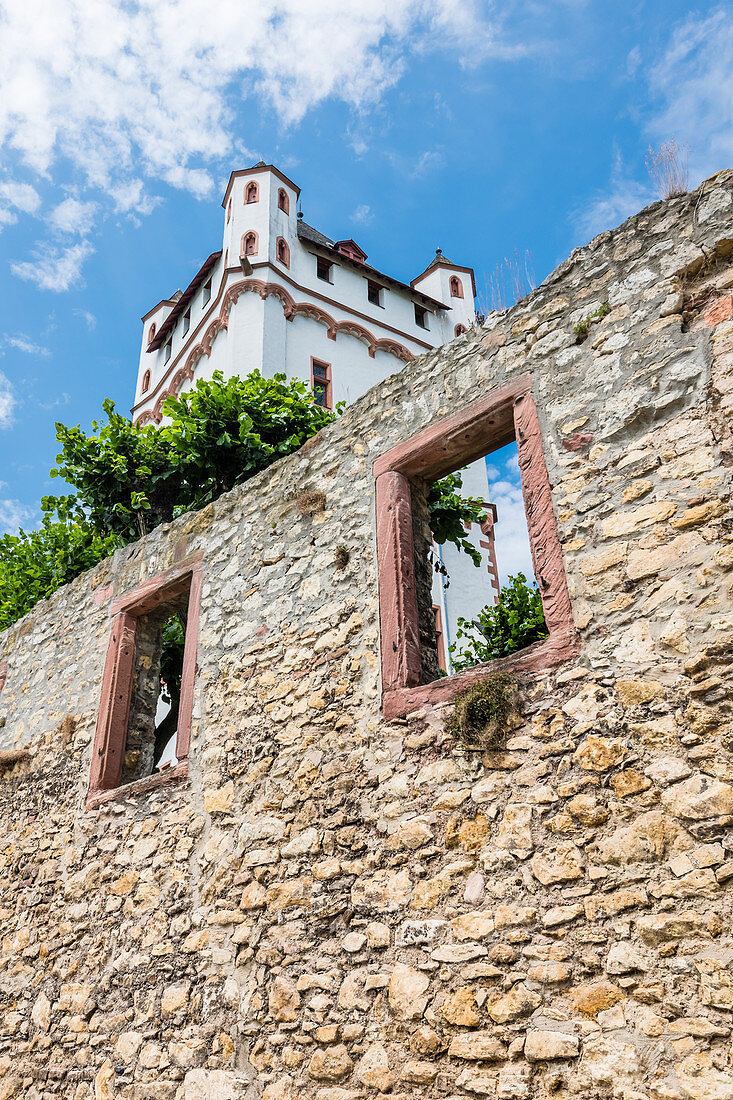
(331, 906)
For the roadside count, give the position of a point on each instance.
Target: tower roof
(440, 260)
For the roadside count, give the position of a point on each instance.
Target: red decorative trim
(484, 425)
(282, 251)
(456, 287)
(291, 309)
(167, 778)
(252, 236)
(151, 333)
(439, 639)
(459, 330)
(3, 674)
(283, 201)
(251, 192)
(114, 709)
(146, 382)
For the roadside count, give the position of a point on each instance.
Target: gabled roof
(168, 325)
(326, 245)
(439, 260)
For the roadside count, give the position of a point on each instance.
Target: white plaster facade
(279, 295)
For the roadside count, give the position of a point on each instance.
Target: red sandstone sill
(167, 778)
(535, 659)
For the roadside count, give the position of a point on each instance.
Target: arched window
(229, 210)
(283, 252)
(146, 382)
(249, 244)
(459, 330)
(151, 333)
(251, 192)
(456, 287)
(283, 202)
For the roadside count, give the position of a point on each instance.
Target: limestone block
(373, 1069)
(284, 999)
(477, 1046)
(597, 754)
(407, 988)
(513, 916)
(659, 928)
(384, 891)
(590, 998)
(519, 1001)
(219, 800)
(330, 1063)
(623, 958)
(41, 1012)
(515, 829)
(698, 798)
(701, 1080)
(472, 926)
(460, 1007)
(647, 839)
(213, 1084)
(562, 864)
(545, 1046)
(411, 835)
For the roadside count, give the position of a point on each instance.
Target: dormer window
(324, 269)
(186, 321)
(168, 351)
(251, 193)
(421, 316)
(283, 202)
(146, 382)
(374, 293)
(456, 287)
(249, 244)
(207, 291)
(283, 252)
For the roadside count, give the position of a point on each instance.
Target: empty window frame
(374, 293)
(283, 202)
(421, 316)
(251, 193)
(324, 269)
(186, 321)
(167, 351)
(143, 729)
(401, 476)
(207, 292)
(321, 383)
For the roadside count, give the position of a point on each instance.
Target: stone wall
(331, 906)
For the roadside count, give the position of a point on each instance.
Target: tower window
(456, 287)
(229, 210)
(374, 293)
(251, 193)
(207, 291)
(283, 252)
(323, 270)
(146, 382)
(249, 244)
(283, 202)
(459, 330)
(421, 316)
(186, 321)
(321, 383)
(151, 333)
(168, 351)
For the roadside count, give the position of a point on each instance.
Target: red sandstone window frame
(146, 382)
(253, 236)
(282, 251)
(283, 201)
(322, 381)
(507, 413)
(117, 683)
(251, 192)
(459, 330)
(456, 287)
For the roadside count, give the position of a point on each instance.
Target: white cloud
(54, 270)
(512, 540)
(692, 83)
(607, 208)
(363, 214)
(12, 514)
(128, 94)
(17, 196)
(7, 402)
(63, 399)
(88, 318)
(25, 344)
(72, 216)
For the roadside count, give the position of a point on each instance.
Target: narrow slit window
(421, 316)
(168, 351)
(374, 293)
(323, 270)
(207, 292)
(186, 321)
(251, 193)
(283, 202)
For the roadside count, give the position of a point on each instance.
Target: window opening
(421, 316)
(283, 252)
(456, 287)
(249, 244)
(374, 293)
(323, 270)
(321, 383)
(168, 351)
(283, 201)
(186, 321)
(146, 382)
(229, 210)
(251, 193)
(151, 333)
(207, 292)
(459, 330)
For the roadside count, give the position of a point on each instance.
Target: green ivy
(516, 620)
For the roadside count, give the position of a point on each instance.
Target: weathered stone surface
(373, 1069)
(460, 1008)
(648, 839)
(330, 1063)
(671, 926)
(699, 797)
(543, 1046)
(590, 998)
(477, 1046)
(562, 864)
(701, 1080)
(406, 992)
(519, 1001)
(598, 754)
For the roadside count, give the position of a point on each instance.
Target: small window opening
(473, 531)
(283, 202)
(321, 383)
(459, 330)
(229, 211)
(374, 293)
(151, 333)
(249, 244)
(207, 292)
(168, 351)
(421, 316)
(323, 270)
(456, 287)
(283, 252)
(152, 728)
(186, 321)
(146, 382)
(251, 193)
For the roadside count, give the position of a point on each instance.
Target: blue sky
(480, 128)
